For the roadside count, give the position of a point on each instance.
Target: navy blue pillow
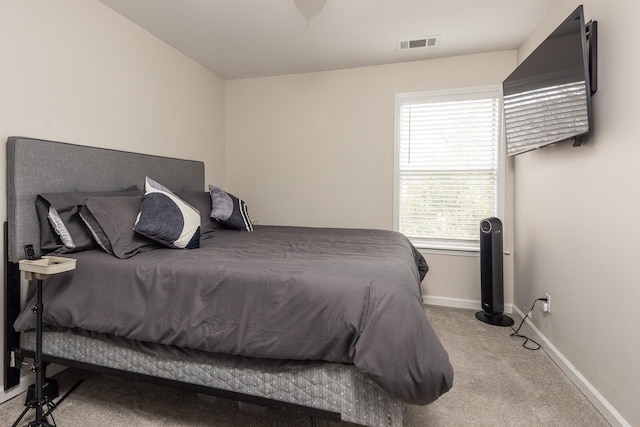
(167, 219)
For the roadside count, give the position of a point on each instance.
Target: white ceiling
(256, 38)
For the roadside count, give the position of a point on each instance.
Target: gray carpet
(497, 382)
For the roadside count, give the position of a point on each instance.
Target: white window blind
(448, 163)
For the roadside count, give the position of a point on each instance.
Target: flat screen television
(547, 98)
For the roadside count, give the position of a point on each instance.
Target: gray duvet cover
(337, 295)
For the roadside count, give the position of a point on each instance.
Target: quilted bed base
(330, 387)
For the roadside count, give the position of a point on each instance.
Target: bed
(291, 317)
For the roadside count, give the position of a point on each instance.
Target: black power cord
(526, 338)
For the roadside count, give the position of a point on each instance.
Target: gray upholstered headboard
(35, 166)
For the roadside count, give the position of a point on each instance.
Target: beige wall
(75, 71)
(577, 212)
(317, 149)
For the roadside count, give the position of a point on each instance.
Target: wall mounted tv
(547, 99)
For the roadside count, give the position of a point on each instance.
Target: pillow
(110, 220)
(201, 200)
(229, 210)
(167, 219)
(49, 240)
(61, 228)
(96, 230)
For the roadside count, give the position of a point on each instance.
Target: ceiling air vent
(430, 41)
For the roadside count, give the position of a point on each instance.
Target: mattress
(331, 387)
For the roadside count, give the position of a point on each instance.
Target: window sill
(459, 251)
(468, 252)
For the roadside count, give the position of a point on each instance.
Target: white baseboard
(606, 409)
(459, 303)
(26, 381)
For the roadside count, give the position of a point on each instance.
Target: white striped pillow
(229, 210)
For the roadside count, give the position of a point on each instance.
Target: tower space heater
(491, 274)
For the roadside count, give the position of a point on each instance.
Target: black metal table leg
(39, 401)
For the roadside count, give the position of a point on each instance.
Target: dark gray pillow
(167, 219)
(201, 200)
(229, 210)
(61, 228)
(99, 235)
(49, 240)
(111, 220)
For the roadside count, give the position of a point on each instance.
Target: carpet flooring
(497, 383)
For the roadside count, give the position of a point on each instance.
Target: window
(448, 165)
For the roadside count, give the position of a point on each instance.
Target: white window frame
(449, 246)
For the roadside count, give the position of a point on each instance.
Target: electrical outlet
(546, 305)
